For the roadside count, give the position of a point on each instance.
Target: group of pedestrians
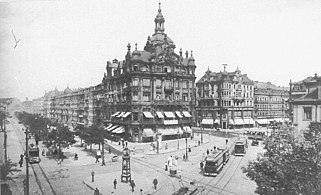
(132, 185)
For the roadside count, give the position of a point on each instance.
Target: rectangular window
(185, 97)
(176, 84)
(307, 111)
(184, 84)
(135, 96)
(135, 81)
(158, 83)
(146, 82)
(146, 96)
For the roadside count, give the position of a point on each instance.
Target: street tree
(289, 166)
(93, 135)
(61, 137)
(2, 118)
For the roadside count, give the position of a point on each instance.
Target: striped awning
(110, 125)
(169, 114)
(121, 114)
(116, 113)
(112, 128)
(178, 113)
(160, 114)
(148, 115)
(127, 114)
(187, 114)
(119, 130)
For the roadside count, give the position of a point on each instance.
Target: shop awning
(262, 121)
(147, 132)
(112, 128)
(159, 114)
(217, 121)
(110, 125)
(178, 113)
(249, 121)
(126, 114)
(206, 121)
(121, 114)
(187, 129)
(170, 131)
(119, 130)
(148, 115)
(187, 114)
(169, 114)
(238, 121)
(231, 122)
(116, 113)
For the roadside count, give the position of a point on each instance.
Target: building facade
(151, 93)
(270, 103)
(225, 100)
(306, 103)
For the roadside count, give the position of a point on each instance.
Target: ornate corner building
(152, 91)
(225, 100)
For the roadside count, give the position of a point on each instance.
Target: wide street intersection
(74, 176)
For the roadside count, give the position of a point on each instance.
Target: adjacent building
(151, 92)
(225, 100)
(270, 103)
(305, 100)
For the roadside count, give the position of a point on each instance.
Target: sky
(67, 43)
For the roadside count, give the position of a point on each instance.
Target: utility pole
(27, 163)
(186, 146)
(5, 138)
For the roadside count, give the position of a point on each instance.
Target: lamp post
(27, 161)
(186, 146)
(178, 139)
(202, 129)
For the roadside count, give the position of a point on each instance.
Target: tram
(214, 163)
(240, 146)
(33, 152)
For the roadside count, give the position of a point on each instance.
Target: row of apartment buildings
(153, 91)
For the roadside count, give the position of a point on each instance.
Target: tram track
(40, 175)
(154, 167)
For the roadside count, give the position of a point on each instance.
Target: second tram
(240, 146)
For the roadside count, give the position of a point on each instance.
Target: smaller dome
(159, 37)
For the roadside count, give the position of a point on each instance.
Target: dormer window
(135, 67)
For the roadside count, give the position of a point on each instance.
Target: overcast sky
(68, 42)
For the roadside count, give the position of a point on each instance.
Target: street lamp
(178, 139)
(186, 146)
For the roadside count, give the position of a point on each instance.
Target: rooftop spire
(159, 21)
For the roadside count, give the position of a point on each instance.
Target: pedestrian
(199, 142)
(59, 162)
(115, 183)
(92, 176)
(170, 161)
(126, 143)
(21, 156)
(226, 141)
(155, 182)
(76, 156)
(166, 165)
(96, 191)
(207, 152)
(20, 162)
(201, 165)
(184, 157)
(97, 158)
(175, 160)
(189, 148)
(141, 192)
(133, 185)
(43, 152)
